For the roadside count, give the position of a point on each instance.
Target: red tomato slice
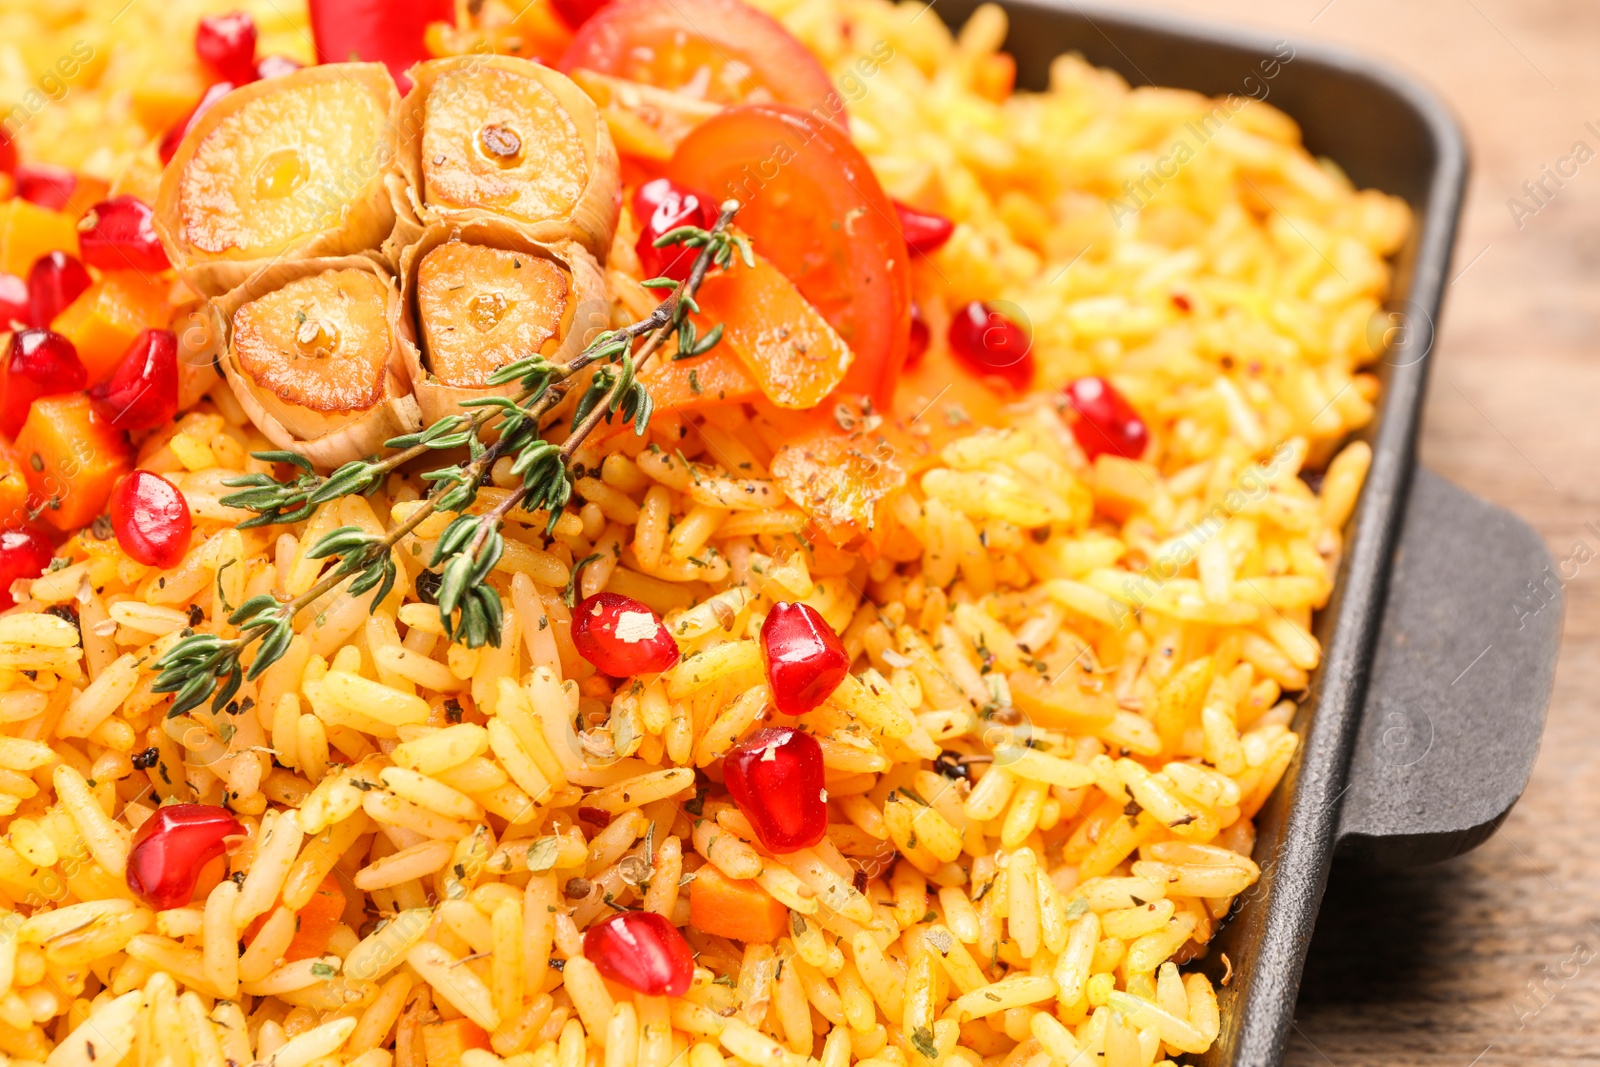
(723, 51)
(813, 207)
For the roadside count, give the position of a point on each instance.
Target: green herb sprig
(204, 665)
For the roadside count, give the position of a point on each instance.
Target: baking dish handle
(1461, 675)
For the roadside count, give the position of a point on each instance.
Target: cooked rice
(1111, 653)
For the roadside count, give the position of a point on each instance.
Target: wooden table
(1493, 958)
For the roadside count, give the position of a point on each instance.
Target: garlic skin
(282, 169)
(587, 312)
(496, 137)
(328, 434)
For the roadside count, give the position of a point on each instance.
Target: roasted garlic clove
(484, 295)
(314, 355)
(282, 169)
(500, 137)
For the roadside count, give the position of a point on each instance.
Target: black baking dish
(1420, 728)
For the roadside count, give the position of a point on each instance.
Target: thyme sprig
(204, 665)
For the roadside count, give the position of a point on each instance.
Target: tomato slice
(723, 51)
(814, 209)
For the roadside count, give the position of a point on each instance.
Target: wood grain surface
(1493, 958)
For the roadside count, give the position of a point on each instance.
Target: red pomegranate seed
(24, 553)
(806, 661)
(171, 846)
(174, 136)
(919, 339)
(8, 153)
(37, 363)
(1103, 422)
(643, 951)
(142, 392)
(924, 231)
(117, 234)
(227, 44)
(991, 344)
(775, 776)
(56, 280)
(621, 636)
(151, 519)
(576, 12)
(276, 66)
(13, 301)
(662, 206)
(46, 185)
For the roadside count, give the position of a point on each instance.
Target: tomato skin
(813, 207)
(676, 44)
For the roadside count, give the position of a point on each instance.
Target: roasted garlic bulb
(500, 137)
(281, 170)
(484, 296)
(314, 352)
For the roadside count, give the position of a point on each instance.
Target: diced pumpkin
(30, 231)
(736, 909)
(166, 95)
(443, 1043)
(1122, 486)
(108, 315)
(13, 487)
(72, 459)
(85, 195)
(784, 342)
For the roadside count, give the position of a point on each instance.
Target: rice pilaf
(1072, 681)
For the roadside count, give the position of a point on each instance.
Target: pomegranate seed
(1103, 421)
(37, 363)
(13, 301)
(174, 136)
(227, 44)
(643, 951)
(24, 553)
(918, 347)
(924, 231)
(621, 636)
(151, 519)
(662, 206)
(142, 392)
(806, 661)
(775, 776)
(990, 343)
(171, 846)
(276, 67)
(8, 153)
(46, 185)
(56, 280)
(576, 12)
(117, 234)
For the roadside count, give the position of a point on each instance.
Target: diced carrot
(108, 315)
(71, 458)
(785, 343)
(30, 231)
(13, 487)
(316, 922)
(443, 1043)
(738, 910)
